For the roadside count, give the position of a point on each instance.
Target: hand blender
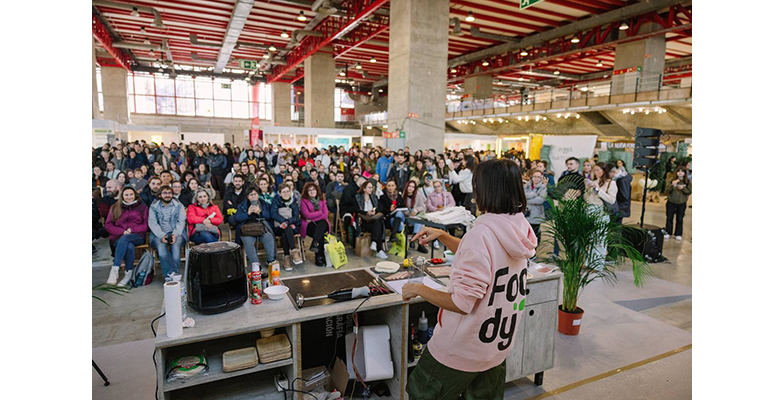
(337, 295)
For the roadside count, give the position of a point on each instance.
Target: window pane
(222, 89)
(145, 104)
(254, 109)
(184, 88)
(98, 77)
(267, 111)
(144, 85)
(165, 87)
(204, 90)
(239, 109)
(100, 102)
(165, 105)
(204, 106)
(130, 84)
(223, 108)
(240, 90)
(131, 103)
(185, 106)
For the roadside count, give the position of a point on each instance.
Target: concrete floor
(623, 326)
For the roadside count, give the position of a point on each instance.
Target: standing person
(218, 164)
(623, 180)
(253, 210)
(371, 220)
(535, 195)
(349, 209)
(678, 193)
(204, 217)
(388, 203)
(463, 357)
(399, 171)
(443, 171)
(597, 191)
(315, 219)
(285, 215)
(464, 181)
(587, 170)
(383, 164)
(415, 205)
(167, 223)
(127, 225)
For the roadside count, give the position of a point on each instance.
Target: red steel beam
(332, 28)
(576, 6)
(507, 12)
(100, 32)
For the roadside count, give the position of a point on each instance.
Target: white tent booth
(458, 141)
(153, 133)
(105, 131)
(297, 137)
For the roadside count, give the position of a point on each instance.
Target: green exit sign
(528, 3)
(247, 64)
(226, 86)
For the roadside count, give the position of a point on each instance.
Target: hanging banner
(534, 152)
(257, 135)
(564, 147)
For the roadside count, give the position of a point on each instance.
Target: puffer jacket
(242, 217)
(535, 196)
(196, 214)
(679, 196)
(134, 217)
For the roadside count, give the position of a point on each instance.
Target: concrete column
(95, 95)
(281, 103)
(114, 94)
(479, 87)
(648, 54)
(319, 77)
(417, 77)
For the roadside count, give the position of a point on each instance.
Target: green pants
(432, 380)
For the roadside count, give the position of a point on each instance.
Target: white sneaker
(436, 244)
(666, 236)
(125, 280)
(381, 254)
(113, 277)
(679, 238)
(373, 247)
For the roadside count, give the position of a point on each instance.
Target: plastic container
(275, 278)
(423, 328)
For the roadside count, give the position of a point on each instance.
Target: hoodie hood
(513, 233)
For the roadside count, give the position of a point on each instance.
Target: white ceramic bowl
(449, 256)
(276, 292)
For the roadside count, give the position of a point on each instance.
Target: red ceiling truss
(100, 32)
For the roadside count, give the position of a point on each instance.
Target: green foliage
(579, 229)
(104, 287)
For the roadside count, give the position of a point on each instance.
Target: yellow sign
(534, 153)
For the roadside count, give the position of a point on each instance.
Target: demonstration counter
(212, 335)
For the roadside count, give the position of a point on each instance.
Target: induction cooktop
(319, 285)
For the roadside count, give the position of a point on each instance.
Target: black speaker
(646, 147)
(648, 241)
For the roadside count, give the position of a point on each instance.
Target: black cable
(156, 370)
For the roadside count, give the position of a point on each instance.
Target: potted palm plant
(581, 232)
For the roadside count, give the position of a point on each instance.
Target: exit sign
(247, 64)
(226, 86)
(528, 3)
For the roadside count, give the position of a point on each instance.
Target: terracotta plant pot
(570, 322)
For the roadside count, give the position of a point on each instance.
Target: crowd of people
(170, 193)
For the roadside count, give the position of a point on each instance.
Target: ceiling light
(485, 63)
(161, 69)
(385, 126)
(373, 60)
(537, 117)
(470, 17)
(368, 127)
(544, 118)
(625, 111)
(265, 55)
(557, 72)
(298, 92)
(520, 79)
(577, 116)
(134, 12)
(369, 93)
(142, 30)
(474, 122)
(633, 112)
(584, 89)
(524, 53)
(146, 41)
(566, 116)
(301, 16)
(380, 90)
(453, 70)
(272, 47)
(484, 120)
(599, 64)
(342, 73)
(358, 65)
(336, 81)
(559, 115)
(646, 112)
(575, 39)
(284, 34)
(623, 26)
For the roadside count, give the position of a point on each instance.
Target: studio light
(470, 17)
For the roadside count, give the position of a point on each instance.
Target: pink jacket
(439, 199)
(487, 282)
(307, 213)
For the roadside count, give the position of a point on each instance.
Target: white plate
(276, 292)
(529, 276)
(387, 267)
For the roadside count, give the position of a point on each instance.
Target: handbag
(335, 252)
(375, 217)
(362, 245)
(254, 229)
(611, 208)
(204, 228)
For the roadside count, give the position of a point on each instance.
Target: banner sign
(626, 70)
(257, 135)
(564, 147)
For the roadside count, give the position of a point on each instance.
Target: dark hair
(241, 176)
(363, 186)
(414, 193)
(605, 177)
(498, 187)
(471, 162)
(165, 187)
(339, 171)
(686, 179)
(572, 158)
(307, 187)
(251, 190)
(165, 171)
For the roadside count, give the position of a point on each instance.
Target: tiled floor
(623, 326)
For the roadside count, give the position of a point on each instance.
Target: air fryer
(216, 280)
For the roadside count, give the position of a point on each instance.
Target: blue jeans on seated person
(125, 250)
(267, 239)
(203, 237)
(396, 221)
(169, 259)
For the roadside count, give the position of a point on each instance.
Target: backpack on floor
(143, 273)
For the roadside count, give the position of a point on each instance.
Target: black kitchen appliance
(215, 277)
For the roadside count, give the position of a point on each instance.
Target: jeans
(267, 239)
(537, 228)
(397, 222)
(169, 254)
(125, 250)
(677, 210)
(203, 237)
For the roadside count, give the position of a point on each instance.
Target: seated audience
(204, 217)
(315, 219)
(285, 215)
(371, 220)
(254, 211)
(167, 223)
(127, 224)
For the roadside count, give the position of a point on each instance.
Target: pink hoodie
(487, 281)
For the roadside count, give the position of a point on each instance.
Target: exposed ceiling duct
(194, 41)
(324, 6)
(131, 7)
(137, 46)
(457, 26)
(196, 57)
(299, 34)
(239, 16)
(475, 31)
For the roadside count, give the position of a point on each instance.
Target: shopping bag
(399, 245)
(335, 252)
(326, 255)
(362, 245)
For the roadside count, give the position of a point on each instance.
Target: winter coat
(196, 214)
(382, 166)
(624, 195)
(362, 202)
(147, 196)
(535, 197)
(242, 218)
(277, 204)
(232, 199)
(400, 173)
(348, 203)
(384, 204)
(439, 199)
(217, 163)
(679, 196)
(308, 214)
(134, 217)
(134, 163)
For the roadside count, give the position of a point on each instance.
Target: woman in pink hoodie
(480, 312)
(315, 219)
(439, 199)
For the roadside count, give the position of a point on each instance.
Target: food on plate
(544, 270)
(436, 261)
(397, 276)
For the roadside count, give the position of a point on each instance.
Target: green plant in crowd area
(103, 287)
(579, 229)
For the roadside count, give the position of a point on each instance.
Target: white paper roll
(172, 308)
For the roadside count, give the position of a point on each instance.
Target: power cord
(355, 343)
(297, 391)
(156, 369)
